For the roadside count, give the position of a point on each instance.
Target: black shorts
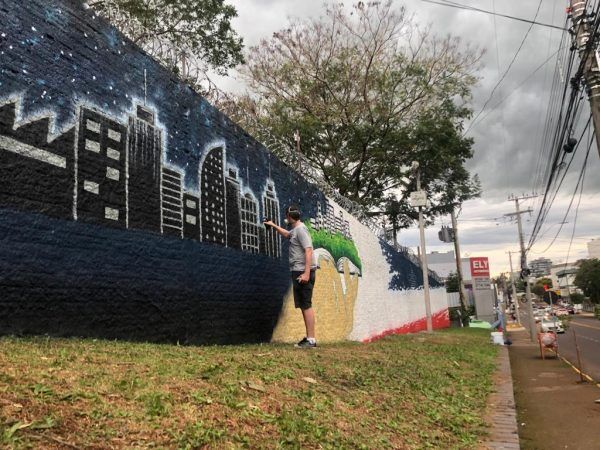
(303, 292)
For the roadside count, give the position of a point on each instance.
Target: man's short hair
(293, 211)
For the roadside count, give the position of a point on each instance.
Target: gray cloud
(507, 142)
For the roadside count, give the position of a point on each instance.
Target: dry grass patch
(418, 391)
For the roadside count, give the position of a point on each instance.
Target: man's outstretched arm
(282, 231)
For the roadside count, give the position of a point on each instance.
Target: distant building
(563, 277)
(172, 202)
(442, 263)
(232, 210)
(191, 216)
(144, 165)
(250, 226)
(212, 197)
(101, 170)
(540, 267)
(271, 210)
(594, 248)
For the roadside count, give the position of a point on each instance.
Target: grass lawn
(416, 391)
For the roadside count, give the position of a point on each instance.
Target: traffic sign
(418, 199)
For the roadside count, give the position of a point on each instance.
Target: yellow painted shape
(334, 310)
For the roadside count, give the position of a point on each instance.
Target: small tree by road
(587, 279)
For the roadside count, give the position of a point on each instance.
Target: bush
(577, 298)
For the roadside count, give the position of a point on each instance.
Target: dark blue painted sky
(59, 62)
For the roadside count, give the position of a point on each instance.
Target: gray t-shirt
(300, 240)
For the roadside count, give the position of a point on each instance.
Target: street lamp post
(417, 172)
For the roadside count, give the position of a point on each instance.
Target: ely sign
(480, 267)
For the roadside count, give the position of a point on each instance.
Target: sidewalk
(554, 410)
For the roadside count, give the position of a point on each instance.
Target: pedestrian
(302, 266)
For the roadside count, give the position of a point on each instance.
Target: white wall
(378, 309)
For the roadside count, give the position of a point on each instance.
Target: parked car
(552, 325)
(561, 312)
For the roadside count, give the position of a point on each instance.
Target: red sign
(480, 267)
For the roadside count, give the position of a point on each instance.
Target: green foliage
(369, 93)
(196, 29)
(577, 298)
(452, 284)
(334, 243)
(587, 279)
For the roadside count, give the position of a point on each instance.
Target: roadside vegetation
(416, 391)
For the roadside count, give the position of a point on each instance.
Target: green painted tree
(188, 37)
(587, 278)
(368, 91)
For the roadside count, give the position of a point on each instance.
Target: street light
(419, 199)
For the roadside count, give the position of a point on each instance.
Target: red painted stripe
(440, 319)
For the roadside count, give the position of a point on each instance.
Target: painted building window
(250, 227)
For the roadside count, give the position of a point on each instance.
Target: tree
(368, 91)
(452, 284)
(587, 278)
(188, 37)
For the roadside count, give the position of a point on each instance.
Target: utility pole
(524, 270)
(461, 286)
(514, 288)
(420, 202)
(581, 31)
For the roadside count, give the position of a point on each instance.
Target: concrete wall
(131, 208)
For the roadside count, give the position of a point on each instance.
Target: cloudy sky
(507, 142)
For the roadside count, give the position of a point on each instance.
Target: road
(587, 330)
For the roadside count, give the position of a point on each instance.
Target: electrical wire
(471, 8)
(563, 131)
(506, 71)
(578, 187)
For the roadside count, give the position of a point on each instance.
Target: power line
(472, 8)
(578, 186)
(507, 69)
(515, 89)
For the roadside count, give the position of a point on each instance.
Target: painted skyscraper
(172, 202)
(101, 170)
(271, 210)
(25, 150)
(212, 197)
(191, 216)
(250, 227)
(232, 213)
(145, 160)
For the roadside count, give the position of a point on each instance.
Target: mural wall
(131, 208)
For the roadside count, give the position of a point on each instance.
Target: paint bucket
(497, 338)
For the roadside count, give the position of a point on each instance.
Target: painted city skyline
(112, 172)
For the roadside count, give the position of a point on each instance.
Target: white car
(552, 325)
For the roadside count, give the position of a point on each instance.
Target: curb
(501, 409)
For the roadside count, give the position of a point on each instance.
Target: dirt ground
(554, 410)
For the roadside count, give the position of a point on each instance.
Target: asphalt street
(587, 331)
